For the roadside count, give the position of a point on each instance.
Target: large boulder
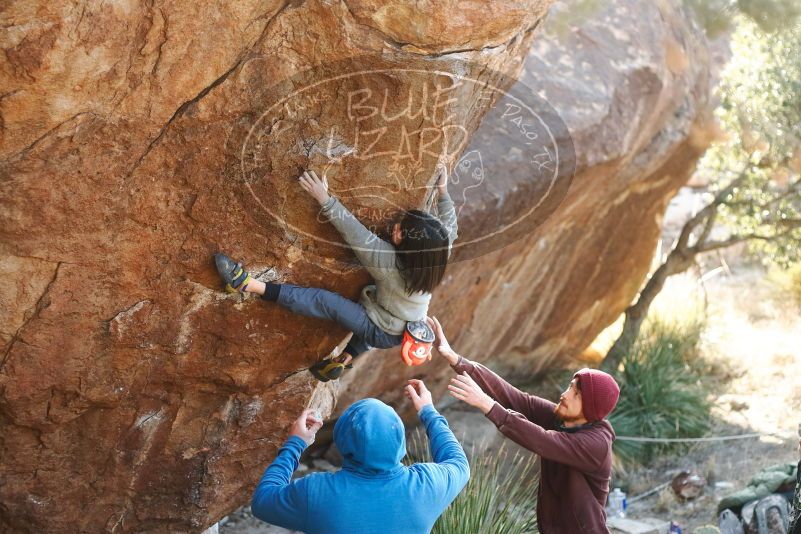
(140, 138)
(631, 81)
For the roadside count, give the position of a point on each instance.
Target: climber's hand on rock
(441, 342)
(316, 187)
(418, 393)
(306, 426)
(464, 388)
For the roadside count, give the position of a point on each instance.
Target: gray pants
(323, 304)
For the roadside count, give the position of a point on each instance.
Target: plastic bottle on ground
(616, 503)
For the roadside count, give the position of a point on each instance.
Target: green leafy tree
(755, 187)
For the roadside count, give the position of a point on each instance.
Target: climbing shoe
(233, 274)
(328, 369)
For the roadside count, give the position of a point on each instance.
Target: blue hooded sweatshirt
(374, 491)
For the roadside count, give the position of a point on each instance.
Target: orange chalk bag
(418, 339)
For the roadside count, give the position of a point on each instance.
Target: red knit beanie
(599, 393)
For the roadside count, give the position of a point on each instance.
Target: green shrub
(662, 391)
(500, 498)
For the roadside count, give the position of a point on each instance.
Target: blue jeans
(323, 304)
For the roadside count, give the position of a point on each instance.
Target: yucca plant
(662, 394)
(500, 498)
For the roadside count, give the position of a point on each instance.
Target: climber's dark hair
(423, 252)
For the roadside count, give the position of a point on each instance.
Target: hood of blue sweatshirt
(371, 438)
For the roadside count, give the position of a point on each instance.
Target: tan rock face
(138, 139)
(449, 25)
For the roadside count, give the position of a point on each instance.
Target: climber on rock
(374, 491)
(405, 272)
(572, 438)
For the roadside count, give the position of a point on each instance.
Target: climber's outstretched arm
(374, 253)
(445, 209)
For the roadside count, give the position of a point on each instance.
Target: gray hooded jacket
(386, 303)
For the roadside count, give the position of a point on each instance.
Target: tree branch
(710, 222)
(733, 240)
(791, 189)
(706, 212)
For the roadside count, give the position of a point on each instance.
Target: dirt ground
(754, 337)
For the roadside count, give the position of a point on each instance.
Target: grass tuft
(500, 498)
(787, 283)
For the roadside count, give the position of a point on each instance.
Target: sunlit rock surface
(140, 138)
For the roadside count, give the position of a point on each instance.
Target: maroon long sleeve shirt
(576, 463)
